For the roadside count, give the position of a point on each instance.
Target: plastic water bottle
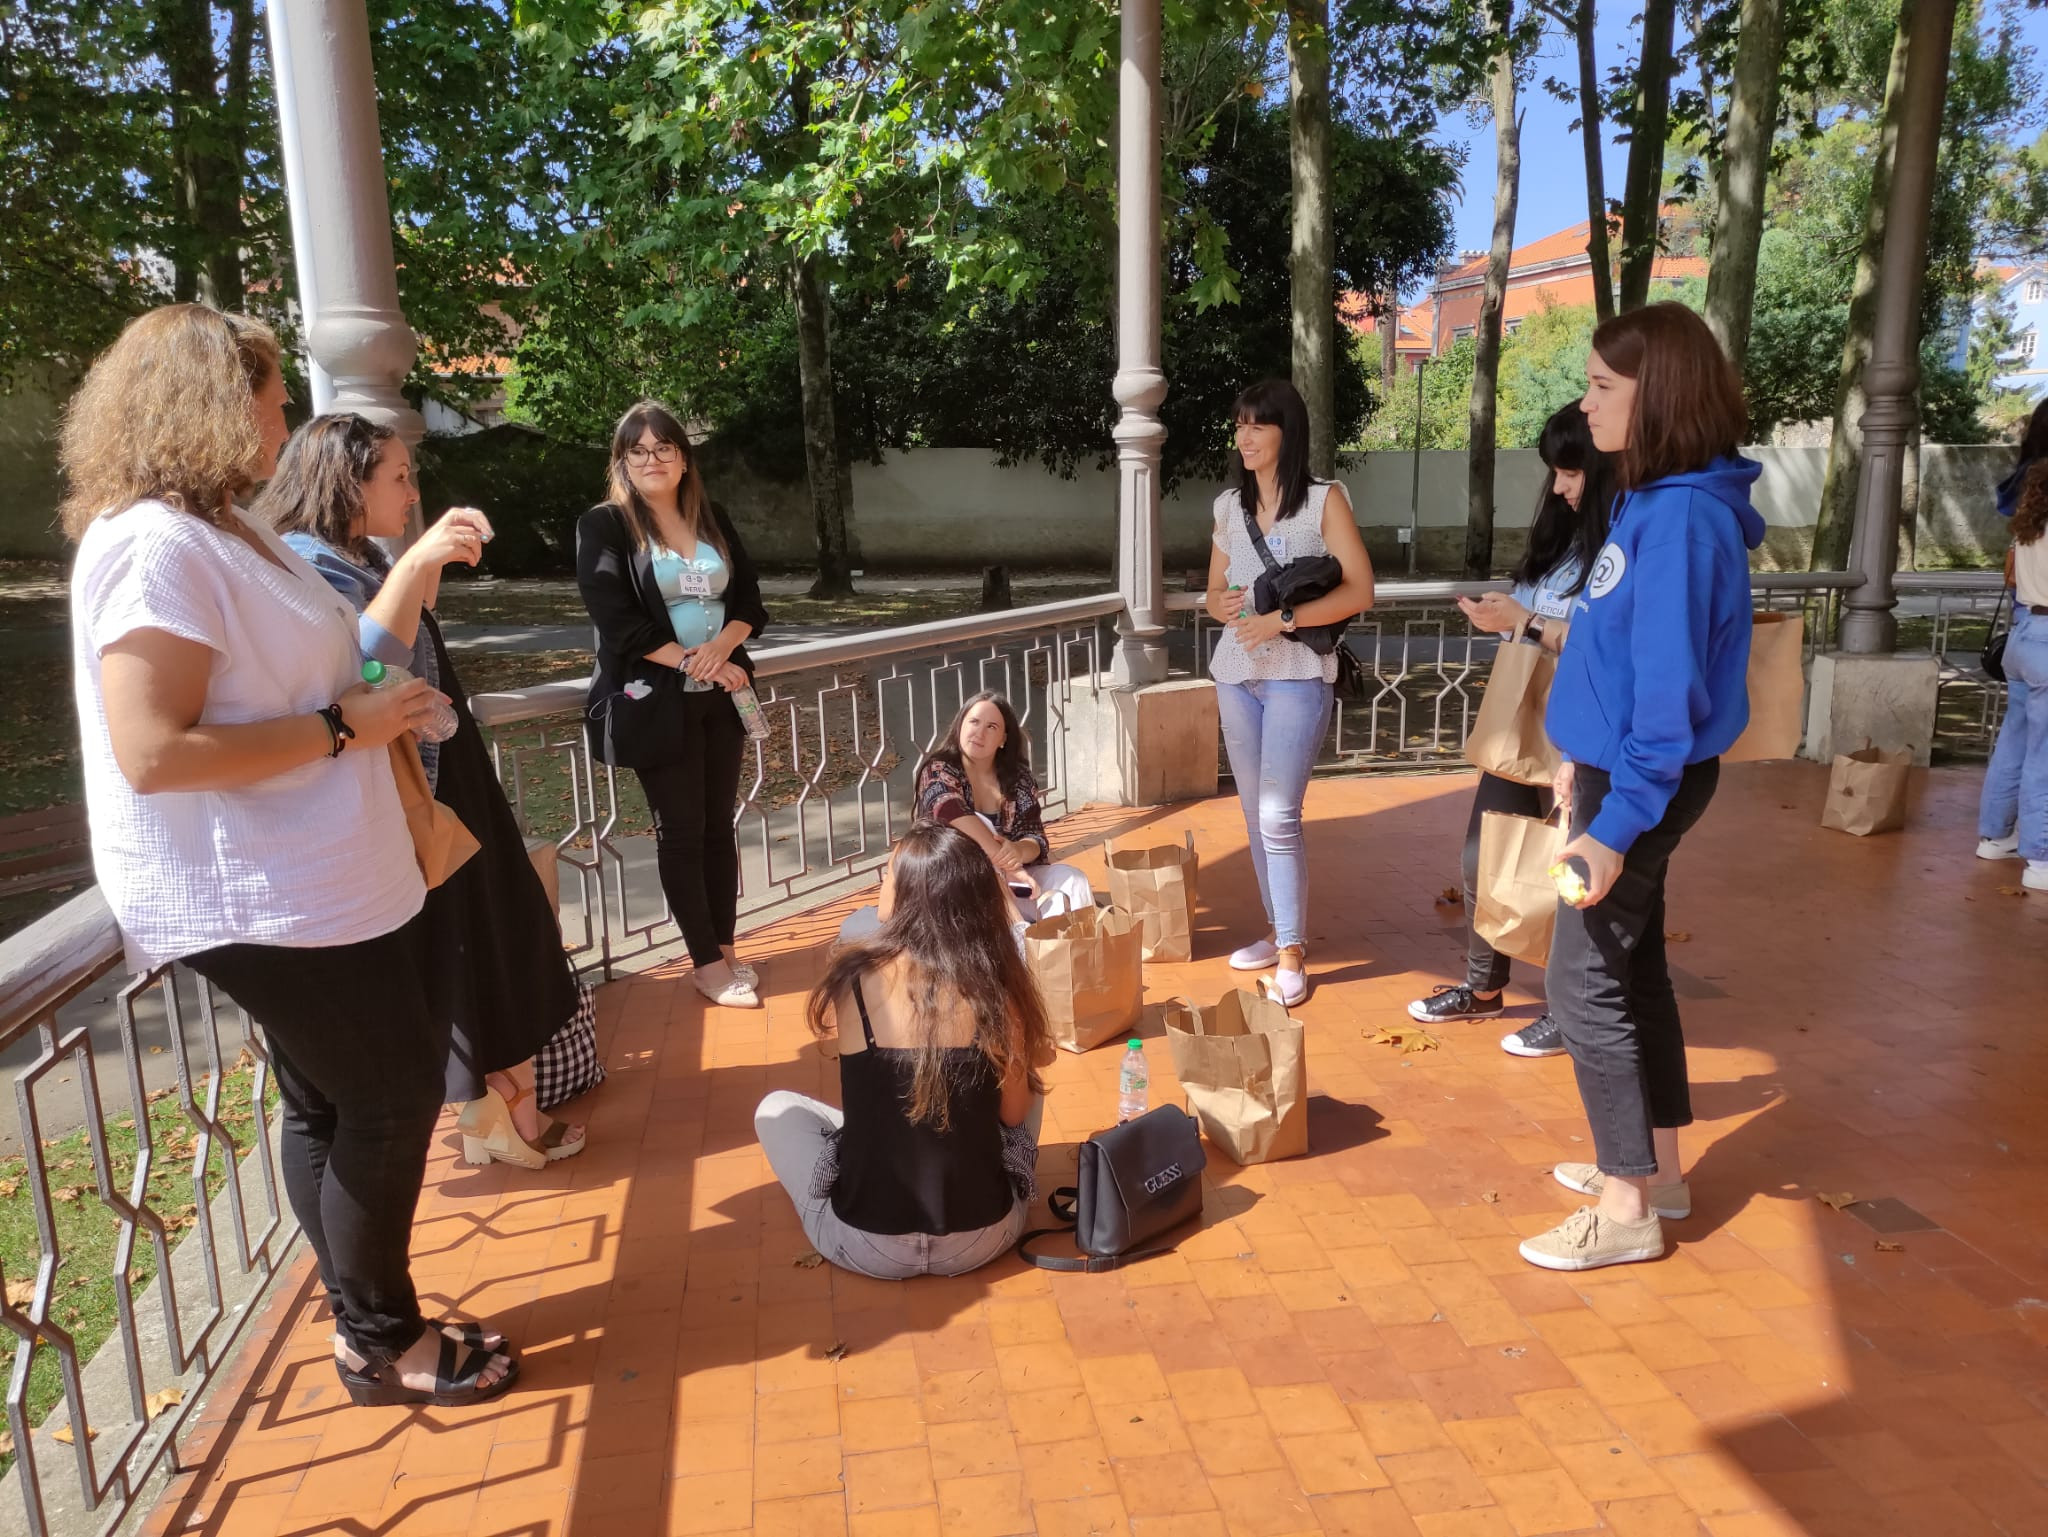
(439, 725)
(752, 717)
(1131, 1083)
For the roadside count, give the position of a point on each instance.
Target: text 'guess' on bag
(1135, 1182)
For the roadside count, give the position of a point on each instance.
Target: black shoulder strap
(860, 1002)
(1251, 529)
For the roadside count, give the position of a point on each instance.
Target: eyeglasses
(660, 453)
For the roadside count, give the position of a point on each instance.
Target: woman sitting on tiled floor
(940, 1035)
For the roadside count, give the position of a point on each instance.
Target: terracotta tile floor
(1349, 1344)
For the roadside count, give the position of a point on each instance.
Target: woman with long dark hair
(244, 815)
(1273, 692)
(979, 780)
(1651, 691)
(1569, 527)
(675, 598)
(940, 1033)
(2033, 449)
(2012, 815)
(342, 482)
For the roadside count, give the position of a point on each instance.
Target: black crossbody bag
(1135, 1182)
(1302, 581)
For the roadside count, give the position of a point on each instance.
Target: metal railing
(1969, 705)
(851, 719)
(123, 1395)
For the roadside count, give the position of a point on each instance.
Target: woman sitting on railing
(940, 1036)
(244, 815)
(342, 482)
(979, 780)
(674, 597)
(1564, 538)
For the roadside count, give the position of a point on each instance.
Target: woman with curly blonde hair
(244, 817)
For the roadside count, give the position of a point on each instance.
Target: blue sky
(1553, 175)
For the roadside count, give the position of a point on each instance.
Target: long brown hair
(318, 487)
(1688, 410)
(1013, 758)
(692, 501)
(952, 925)
(2030, 517)
(165, 415)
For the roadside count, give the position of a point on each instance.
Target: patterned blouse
(1293, 538)
(944, 795)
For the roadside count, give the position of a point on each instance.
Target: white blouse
(314, 857)
(1295, 538)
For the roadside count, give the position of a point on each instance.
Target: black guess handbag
(1136, 1182)
(1993, 659)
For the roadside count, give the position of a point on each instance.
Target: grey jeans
(793, 1128)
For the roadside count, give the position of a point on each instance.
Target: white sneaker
(1999, 848)
(2035, 876)
(1290, 987)
(1256, 956)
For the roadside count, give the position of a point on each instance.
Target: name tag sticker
(693, 584)
(1277, 543)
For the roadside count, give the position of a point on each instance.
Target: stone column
(297, 199)
(327, 109)
(1892, 375)
(1140, 383)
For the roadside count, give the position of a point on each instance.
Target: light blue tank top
(694, 591)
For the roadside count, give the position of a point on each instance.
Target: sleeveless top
(890, 1175)
(694, 591)
(1292, 538)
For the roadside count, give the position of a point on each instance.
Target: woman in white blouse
(244, 817)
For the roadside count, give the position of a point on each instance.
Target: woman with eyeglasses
(675, 598)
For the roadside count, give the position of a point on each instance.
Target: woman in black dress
(341, 482)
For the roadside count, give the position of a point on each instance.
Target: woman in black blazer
(674, 598)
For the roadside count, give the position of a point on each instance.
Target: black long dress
(491, 923)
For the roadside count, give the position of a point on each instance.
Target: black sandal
(454, 1384)
(474, 1335)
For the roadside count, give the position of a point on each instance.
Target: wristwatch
(1532, 629)
(1287, 621)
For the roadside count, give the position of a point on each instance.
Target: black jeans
(692, 799)
(1486, 969)
(360, 1049)
(1610, 988)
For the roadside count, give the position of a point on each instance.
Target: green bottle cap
(1135, 1045)
(373, 671)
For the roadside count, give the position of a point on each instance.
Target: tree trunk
(208, 142)
(1507, 138)
(1596, 173)
(1390, 347)
(1643, 193)
(821, 436)
(1313, 253)
(1836, 522)
(1745, 169)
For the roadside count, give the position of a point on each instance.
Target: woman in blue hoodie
(1648, 695)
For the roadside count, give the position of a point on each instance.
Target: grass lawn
(83, 1298)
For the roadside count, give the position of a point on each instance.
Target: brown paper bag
(1156, 886)
(1091, 973)
(1514, 907)
(440, 843)
(1244, 1066)
(1867, 791)
(1507, 737)
(1777, 689)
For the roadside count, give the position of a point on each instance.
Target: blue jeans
(2016, 785)
(1273, 730)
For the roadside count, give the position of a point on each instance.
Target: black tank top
(898, 1176)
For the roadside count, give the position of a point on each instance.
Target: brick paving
(1350, 1343)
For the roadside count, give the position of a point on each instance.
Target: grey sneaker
(1671, 1202)
(1542, 1039)
(1586, 1241)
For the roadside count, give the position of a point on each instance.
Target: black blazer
(626, 606)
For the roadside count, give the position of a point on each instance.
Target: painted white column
(1140, 383)
(1892, 375)
(297, 199)
(328, 110)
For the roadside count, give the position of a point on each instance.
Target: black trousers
(1486, 969)
(692, 799)
(1610, 987)
(359, 1047)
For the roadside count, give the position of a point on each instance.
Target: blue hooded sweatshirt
(1654, 675)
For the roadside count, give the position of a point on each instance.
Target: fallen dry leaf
(62, 1435)
(1836, 1201)
(156, 1403)
(2011, 891)
(1404, 1038)
(1450, 896)
(837, 1352)
(1679, 939)
(20, 1293)
(1514, 1352)
(6, 1444)
(810, 1259)
(1490, 1197)
(8, 1187)
(1886, 1246)
(67, 1193)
